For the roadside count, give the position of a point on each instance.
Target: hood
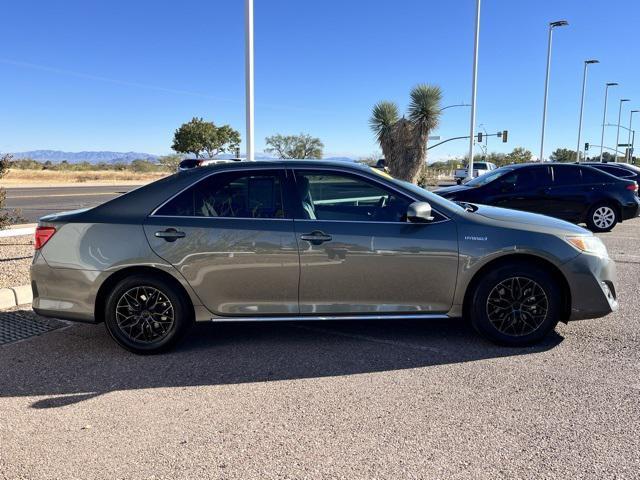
(448, 191)
(535, 221)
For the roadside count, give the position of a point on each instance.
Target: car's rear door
(232, 238)
(359, 255)
(569, 197)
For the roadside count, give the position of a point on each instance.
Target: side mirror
(419, 212)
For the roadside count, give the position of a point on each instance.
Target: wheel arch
(522, 258)
(111, 281)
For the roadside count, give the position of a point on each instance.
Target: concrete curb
(14, 296)
(19, 230)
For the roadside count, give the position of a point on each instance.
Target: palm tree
(404, 141)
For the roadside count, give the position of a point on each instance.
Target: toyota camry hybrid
(311, 240)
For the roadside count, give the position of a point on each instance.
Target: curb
(19, 230)
(14, 296)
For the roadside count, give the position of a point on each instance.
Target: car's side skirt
(295, 318)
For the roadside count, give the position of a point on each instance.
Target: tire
(147, 315)
(602, 217)
(534, 312)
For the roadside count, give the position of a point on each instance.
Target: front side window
(522, 179)
(335, 196)
(230, 195)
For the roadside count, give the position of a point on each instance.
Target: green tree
(404, 140)
(170, 162)
(294, 146)
(518, 155)
(563, 155)
(7, 217)
(198, 136)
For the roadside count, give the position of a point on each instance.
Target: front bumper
(592, 284)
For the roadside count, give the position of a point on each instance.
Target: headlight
(589, 245)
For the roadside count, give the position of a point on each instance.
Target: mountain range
(57, 156)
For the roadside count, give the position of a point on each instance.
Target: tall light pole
(248, 71)
(584, 84)
(622, 100)
(629, 143)
(604, 115)
(474, 80)
(552, 25)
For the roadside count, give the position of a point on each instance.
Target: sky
(123, 75)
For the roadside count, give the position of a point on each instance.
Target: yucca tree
(404, 140)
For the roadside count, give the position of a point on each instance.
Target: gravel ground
(349, 400)
(15, 257)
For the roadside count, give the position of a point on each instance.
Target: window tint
(592, 175)
(617, 171)
(531, 177)
(329, 196)
(231, 195)
(480, 166)
(566, 175)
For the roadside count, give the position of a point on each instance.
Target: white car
(189, 163)
(479, 168)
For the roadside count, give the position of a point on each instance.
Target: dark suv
(577, 193)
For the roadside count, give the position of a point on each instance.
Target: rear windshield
(189, 163)
(480, 166)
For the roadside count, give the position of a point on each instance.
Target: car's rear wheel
(147, 315)
(516, 304)
(602, 217)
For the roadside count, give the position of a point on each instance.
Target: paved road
(35, 202)
(332, 400)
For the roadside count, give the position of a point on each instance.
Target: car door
(525, 188)
(569, 195)
(232, 238)
(359, 255)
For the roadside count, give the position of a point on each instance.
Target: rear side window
(593, 175)
(566, 175)
(617, 171)
(230, 195)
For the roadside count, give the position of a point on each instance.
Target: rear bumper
(631, 209)
(592, 284)
(63, 292)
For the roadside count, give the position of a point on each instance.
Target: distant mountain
(57, 156)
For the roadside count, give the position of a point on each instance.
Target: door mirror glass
(419, 212)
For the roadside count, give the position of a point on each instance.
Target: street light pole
(604, 115)
(622, 100)
(552, 25)
(474, 80)
(248, 26)
(630, 149)
(584, 84)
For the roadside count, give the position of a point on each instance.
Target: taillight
(633, 187)
(43, 235)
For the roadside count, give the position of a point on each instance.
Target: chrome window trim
(376, 181)
(284, 169)
(226, 170)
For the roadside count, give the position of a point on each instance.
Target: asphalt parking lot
(345, 400)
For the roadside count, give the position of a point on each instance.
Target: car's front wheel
(515, 304)
(147, 315)
(602, 217)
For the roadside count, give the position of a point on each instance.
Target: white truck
(479, 168)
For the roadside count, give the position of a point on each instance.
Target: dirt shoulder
(43, 178)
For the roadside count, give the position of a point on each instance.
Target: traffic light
(505, 134)
(586, 146)
(479, 137)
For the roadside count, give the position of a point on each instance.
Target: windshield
(488, 177)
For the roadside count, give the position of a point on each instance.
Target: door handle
(170, 234)
(316, 238)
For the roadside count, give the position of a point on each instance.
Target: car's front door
(359, 255)
(525, 188)
(232, 238)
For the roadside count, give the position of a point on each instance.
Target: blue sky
(122, 75)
